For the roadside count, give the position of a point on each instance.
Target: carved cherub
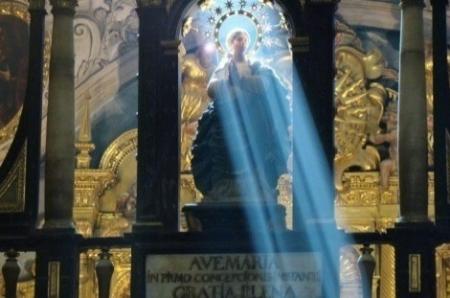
(388, 166)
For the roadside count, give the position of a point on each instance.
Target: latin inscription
(284, 275)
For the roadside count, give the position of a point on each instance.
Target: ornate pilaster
(59, 162)
(441, 97)
(84, 144)
(90, 184)
(412, 138)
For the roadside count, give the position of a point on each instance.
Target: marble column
(60, 150)
(412, 132)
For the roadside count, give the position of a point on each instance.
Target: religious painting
(212, 33)
(13, 66)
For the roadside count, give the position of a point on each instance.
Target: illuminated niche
(203, 32)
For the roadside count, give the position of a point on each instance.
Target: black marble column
(158, 121)
(60, 149)
(412, 131)
(441, 111)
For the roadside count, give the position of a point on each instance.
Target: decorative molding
(54, 279)
(387, 271)
(103, 33)
(12, 189)
(363, 206)
(15, 8)
(90, 184)
(118, 150)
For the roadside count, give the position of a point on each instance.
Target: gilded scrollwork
(122, 146)
(359, 108)
(117, 205)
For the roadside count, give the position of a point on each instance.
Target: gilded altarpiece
(105, 196)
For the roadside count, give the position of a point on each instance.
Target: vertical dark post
(33, 108)
(313, 107)
(11, 272)
(316, 68)
(158, 134)
(412, 131)
(104, 269)
(158, 153)
(441, 111)
(366, 265)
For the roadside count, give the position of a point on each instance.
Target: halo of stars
(219, 14)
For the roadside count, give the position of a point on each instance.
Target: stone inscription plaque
(274, 275)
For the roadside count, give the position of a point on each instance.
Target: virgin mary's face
(239, 44)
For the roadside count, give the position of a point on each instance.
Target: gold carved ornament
(118, 204)
(359, 109)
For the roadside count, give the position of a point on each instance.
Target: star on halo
(229, 4)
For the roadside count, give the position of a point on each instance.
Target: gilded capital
(37, 4)
(64, 4)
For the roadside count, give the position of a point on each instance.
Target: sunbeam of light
(315, 192)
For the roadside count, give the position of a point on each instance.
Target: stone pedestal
(235, 217)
